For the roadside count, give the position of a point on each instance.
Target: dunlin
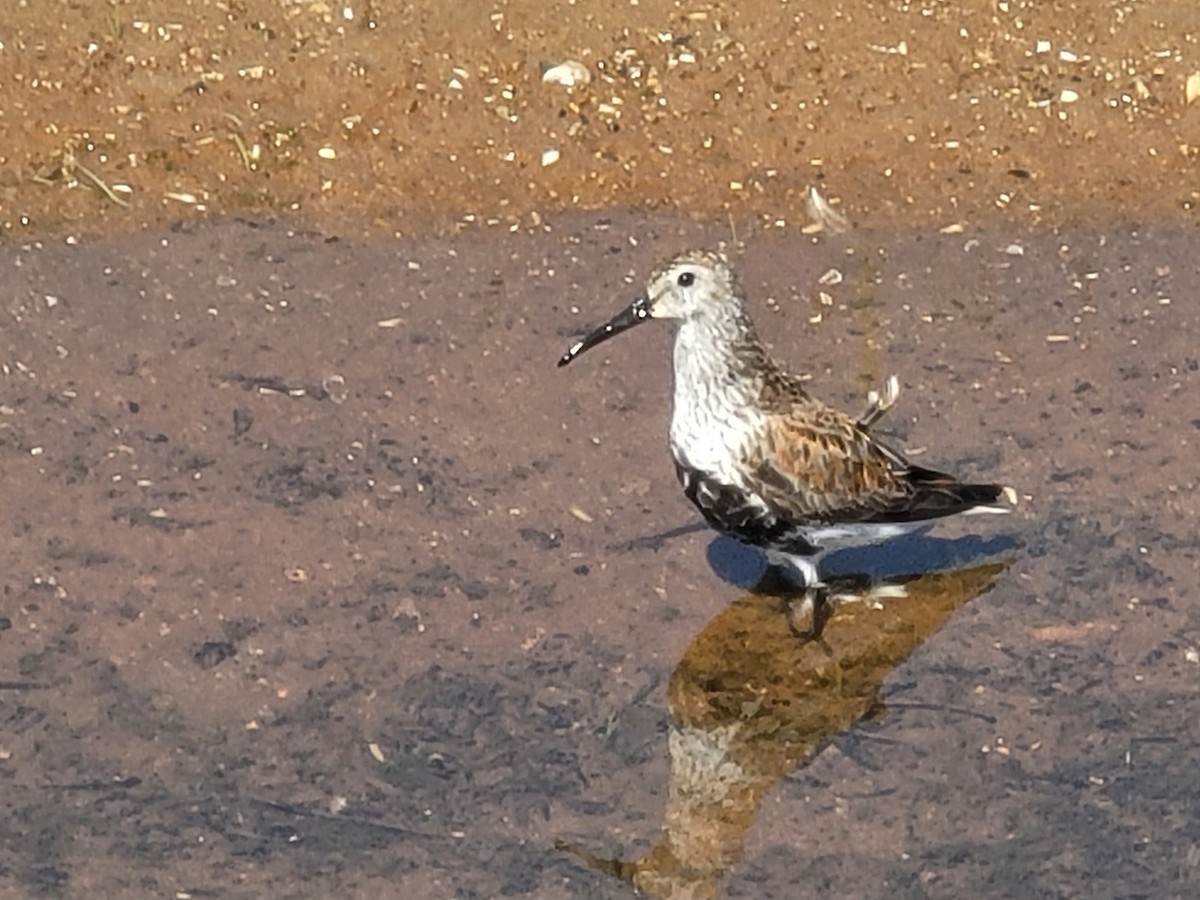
(762, 459)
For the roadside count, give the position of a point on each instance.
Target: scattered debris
(568, 73)
(335, 389)
(824, 216)
(212, 653)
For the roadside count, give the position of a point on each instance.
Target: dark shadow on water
(751, 701)
(744, 567)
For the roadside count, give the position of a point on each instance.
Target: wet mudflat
(320, 578)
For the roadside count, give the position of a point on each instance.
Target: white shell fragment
(1192, 88)
(550, 157)
(568, 73)
(334, 386)
(1068, 96)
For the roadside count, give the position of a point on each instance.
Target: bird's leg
(813, 602)
(879, 403)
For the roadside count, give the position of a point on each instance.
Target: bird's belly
(854, 534)
(734, 510)
(711, 444)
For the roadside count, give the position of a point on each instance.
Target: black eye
(686, 279)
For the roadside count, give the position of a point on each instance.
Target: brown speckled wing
(817, 464)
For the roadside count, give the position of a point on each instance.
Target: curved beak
(637, 312)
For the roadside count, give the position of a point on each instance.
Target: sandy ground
(320, 578)
(380, 117)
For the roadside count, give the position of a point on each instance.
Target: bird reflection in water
(752, 700)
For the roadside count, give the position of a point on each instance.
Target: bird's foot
(808, 613)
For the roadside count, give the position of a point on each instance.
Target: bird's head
(694, 285)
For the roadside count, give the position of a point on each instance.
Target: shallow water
(321, 578)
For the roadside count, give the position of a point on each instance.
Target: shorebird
(762, 459)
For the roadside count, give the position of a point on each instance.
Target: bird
(764, 460)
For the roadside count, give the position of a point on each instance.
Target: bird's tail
(936, 494)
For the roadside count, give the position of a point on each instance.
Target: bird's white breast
(713, 416)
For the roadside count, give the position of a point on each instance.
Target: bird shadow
(916, 553)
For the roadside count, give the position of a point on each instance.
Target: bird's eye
(686, 279)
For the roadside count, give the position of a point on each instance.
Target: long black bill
(637, 312)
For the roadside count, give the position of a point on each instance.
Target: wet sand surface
(321, 578)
